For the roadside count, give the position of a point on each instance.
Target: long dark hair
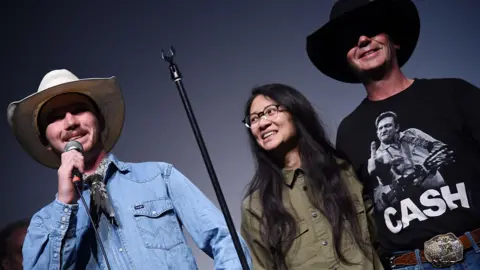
(318, 158)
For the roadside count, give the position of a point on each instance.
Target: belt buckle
(443, 250)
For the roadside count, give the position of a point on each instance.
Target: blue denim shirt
(152, 201)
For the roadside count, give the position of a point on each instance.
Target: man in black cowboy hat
(413, 142)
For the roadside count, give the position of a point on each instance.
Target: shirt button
(65, 210)
(154, 212)
(120, 249)
(314, 214)
(324, 242)
(55, 255)
(305, 188)
(62, 226)
(64, 218)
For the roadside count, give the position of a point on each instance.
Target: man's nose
(70, 121)
(363, 41)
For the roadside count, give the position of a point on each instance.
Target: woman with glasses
(304, 208)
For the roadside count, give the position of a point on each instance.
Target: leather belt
(431, 255)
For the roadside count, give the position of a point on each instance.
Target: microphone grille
(73, 145)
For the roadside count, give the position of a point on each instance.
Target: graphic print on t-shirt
(407, 160)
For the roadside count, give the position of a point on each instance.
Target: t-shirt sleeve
(467, 97)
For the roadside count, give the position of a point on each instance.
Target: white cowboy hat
(22, 115)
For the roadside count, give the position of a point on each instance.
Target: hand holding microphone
(70, 171)
(70, 174)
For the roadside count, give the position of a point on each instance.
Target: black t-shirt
(423, 146)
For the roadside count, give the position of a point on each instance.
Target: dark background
(223, 49)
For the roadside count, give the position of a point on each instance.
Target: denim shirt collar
(113, 164)
(119, 165)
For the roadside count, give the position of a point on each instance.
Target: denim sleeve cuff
(63, 219)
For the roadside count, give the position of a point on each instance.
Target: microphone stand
(177, 78)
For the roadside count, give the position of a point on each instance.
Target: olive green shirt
(312, 247)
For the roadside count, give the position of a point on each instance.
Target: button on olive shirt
(313, 245)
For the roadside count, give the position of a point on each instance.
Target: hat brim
(328, 46)
(22, 115)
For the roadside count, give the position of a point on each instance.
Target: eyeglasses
(270, 112)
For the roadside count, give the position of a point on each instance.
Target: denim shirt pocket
(157, 224)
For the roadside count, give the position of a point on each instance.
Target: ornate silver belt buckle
(443, 250)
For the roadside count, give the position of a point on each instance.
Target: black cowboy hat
(349, 19)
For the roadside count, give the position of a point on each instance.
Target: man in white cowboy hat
(413, 142)
(138, 209)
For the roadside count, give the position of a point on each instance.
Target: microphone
(76, 175)
(77, 180)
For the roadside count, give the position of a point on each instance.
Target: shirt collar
(109, 161)
(120, 165)
(290, 175)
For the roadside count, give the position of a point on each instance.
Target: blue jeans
(471, 261)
